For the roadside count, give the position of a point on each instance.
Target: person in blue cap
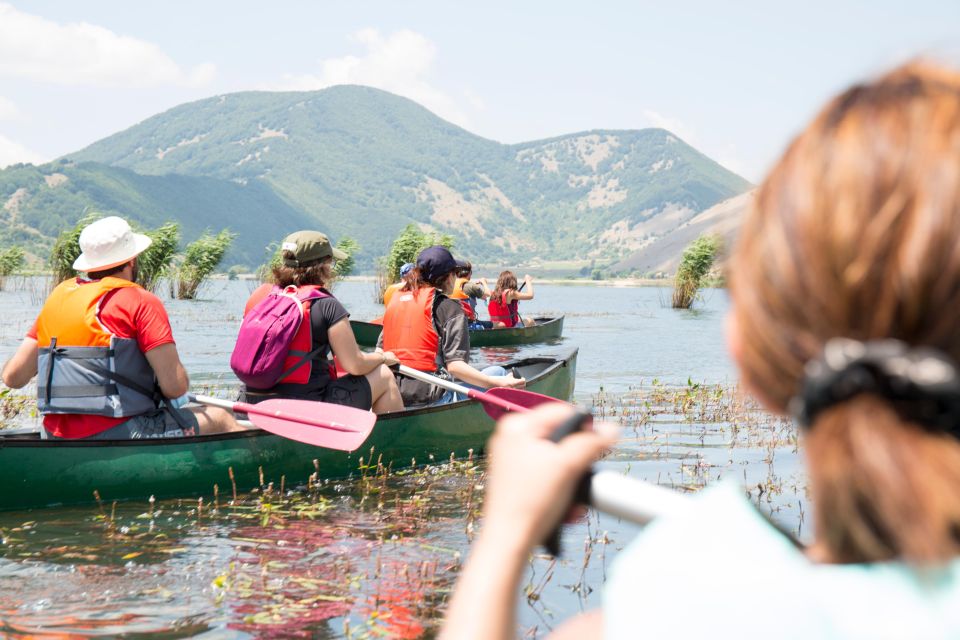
(396, 286)
(428, 331)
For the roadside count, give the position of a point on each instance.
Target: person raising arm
(503, 306)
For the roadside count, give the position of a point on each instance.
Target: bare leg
(529, 322)
(386, 393)
(214, 420)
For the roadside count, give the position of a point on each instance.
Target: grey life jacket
(82, 368)
(115, 381)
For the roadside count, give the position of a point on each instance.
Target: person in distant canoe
(428, 331)
(844, 297)
(504, 301)
(109, 368)
(467, 293)
(308, 261)
(396, 286)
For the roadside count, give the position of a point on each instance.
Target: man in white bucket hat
(108, 366)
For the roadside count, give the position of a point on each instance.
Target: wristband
(179, 403)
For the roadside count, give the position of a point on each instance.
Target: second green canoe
(542, 330)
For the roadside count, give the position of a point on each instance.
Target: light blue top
(719, 570)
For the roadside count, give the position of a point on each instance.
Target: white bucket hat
(107, 243)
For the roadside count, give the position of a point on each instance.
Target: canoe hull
(546, 329)
(36, 473)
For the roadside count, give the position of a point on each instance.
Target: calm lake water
(377, 556)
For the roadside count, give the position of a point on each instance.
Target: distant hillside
(363, 162)
(36, 203)
(662, 255)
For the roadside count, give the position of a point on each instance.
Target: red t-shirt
(130, 312)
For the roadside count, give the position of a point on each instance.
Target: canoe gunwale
(26, 440)
(546, 328)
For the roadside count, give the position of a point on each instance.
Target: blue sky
(734, 79)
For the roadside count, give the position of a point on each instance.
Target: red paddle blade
(525, 399)
(321, 424)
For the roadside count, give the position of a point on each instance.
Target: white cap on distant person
(108, 242)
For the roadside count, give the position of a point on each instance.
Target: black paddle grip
(581, 494)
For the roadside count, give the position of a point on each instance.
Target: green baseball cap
(308, 247)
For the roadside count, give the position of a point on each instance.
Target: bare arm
(463, 371)
(486, 288)
(171, 376)
(585, 626)
(529, 482)
(528, 294)
(20, 368)
(349, 355)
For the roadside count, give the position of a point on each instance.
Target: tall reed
(66, 249)
(695, 264)
(11, 261)
(200, 259)
(154, 263)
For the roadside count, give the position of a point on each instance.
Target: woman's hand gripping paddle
(321, 424)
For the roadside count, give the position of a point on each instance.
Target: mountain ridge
(363, 162)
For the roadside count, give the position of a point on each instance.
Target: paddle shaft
(459, 388)
(612, 493)
(244, 407)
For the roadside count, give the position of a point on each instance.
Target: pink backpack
(266, 333)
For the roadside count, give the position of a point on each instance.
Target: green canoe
(38, 473)
(544, 329)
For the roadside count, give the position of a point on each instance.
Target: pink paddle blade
(321, 424)
(525, 399)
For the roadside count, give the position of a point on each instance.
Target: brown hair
(106, 273)
(415, 280)
(505, 282)
(319, 273)
(856, 233)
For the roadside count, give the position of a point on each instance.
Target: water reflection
(376, 555)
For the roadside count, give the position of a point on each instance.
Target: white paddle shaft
(214, 402)
(431, 379)
(631, 499)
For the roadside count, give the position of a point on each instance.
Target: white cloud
(8, 110)
(400, 62)
(13, 152)
(36, 48)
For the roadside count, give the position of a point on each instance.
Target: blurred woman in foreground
(845, 284)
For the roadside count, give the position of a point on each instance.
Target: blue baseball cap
(405, 269)
(435, 262)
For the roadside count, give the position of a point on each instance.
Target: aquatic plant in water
(199, 260)
(694, 266)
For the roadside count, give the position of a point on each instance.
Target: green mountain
(39, 202)
(363, 162)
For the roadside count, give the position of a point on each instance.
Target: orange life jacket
(464, 300)
(409, 331)
(296, 369)
(82, 368)
(390, 291)
(458, 293)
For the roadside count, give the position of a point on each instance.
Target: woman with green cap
(309, 373)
